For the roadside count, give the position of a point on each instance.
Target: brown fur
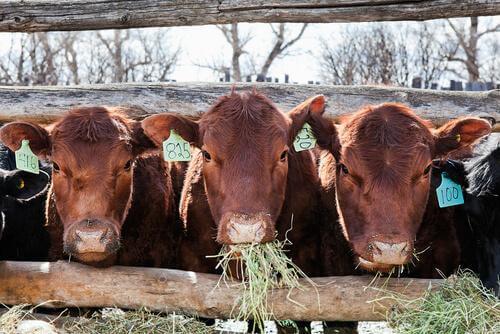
(104, 177)
(381, 177)
(245, 136)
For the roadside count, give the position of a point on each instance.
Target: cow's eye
(127, 165)
(283, 155)
(55, 167)
(20, 184)
(343, 169)
(427, 169)
(206, 156)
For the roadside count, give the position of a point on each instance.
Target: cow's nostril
(104, 235)
(374, 249)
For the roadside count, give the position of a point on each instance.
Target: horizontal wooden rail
(62, 284)
(45, 104)
(51, 15)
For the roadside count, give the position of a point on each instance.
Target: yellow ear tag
(305, 139)
(458, 138)
(25, 159)
(175, 148)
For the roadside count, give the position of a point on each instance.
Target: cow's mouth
(374, 266)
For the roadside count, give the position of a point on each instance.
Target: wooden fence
(341, 298)
(45, 104)
(47, 15)
(62, 284)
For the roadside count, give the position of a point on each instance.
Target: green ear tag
(305, 139)
(449, 193)
(25, 159)
(175, 148)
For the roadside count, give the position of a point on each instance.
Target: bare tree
(238, 43)
(93, 57)
(42, 54)
(238, 40)
(492, 60)
(373, 55)
(463, 47)
(429, 61)
(339, 64)
(137, 56)
(68, 41)
(280, 45)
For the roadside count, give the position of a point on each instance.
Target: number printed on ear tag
(25, 159)
(305, 139)
(449, 193)
(175, 148)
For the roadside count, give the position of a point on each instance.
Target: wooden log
(51, 15)
(63, 284)
(45, 104)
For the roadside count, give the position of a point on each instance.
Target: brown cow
(379, 176)
(109, 203)
(245, 183)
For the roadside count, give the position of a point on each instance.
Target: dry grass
(461, 305)
(11, 319)
(112, 321)
(115, 321)
(265, 267)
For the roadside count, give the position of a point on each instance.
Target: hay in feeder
(460, 305)
(112, 320)
(12, 318)
(109, 321)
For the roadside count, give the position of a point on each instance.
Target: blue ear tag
(449, 193)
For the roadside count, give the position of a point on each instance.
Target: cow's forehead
(385, 125)
(80, 156)
(246, 113)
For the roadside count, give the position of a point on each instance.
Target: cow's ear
(158, 127)
(458, 134)
(140, 141)
(301, 114)
(12, 134)
(311, 111)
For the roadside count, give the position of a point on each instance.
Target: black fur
(478, 221)
(22, 206)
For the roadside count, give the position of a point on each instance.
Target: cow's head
(383, 162)
(245, 142)
(93, 152)
(17, 187)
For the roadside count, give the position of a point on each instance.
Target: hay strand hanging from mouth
(261, 268)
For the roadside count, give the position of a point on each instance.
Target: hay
(11, 319)
(265, 267)
(114, 321)
(460, 305)
(111, 321)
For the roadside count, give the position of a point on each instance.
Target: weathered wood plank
(63, 284)
(45, 104)
(51, 15)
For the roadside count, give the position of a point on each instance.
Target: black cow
(22, 206)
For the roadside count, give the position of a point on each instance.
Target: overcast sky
(202, 44)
